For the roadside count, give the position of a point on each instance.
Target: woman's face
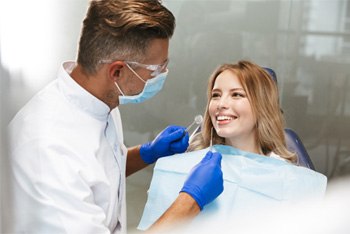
(231, 112)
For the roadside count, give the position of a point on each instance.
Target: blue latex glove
(172, 140)
(205, 181)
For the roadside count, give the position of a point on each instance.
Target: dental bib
(252, 182)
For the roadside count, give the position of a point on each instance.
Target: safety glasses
(156, 69)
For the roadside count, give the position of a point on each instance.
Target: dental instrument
(198, 119)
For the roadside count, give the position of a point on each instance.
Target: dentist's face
(230, 110)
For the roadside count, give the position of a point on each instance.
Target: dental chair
(294, 144)
(293, 141)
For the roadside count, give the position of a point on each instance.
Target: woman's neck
(244, 144)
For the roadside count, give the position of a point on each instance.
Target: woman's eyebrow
(233, 89)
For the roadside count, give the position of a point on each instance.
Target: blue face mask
(152, 87)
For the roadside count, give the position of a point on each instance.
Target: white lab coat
(68, 162)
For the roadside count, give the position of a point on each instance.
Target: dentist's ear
(116, 73)
(115, 70)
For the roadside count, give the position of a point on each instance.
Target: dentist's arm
(181, 212)
(172, 140)
(203, 185)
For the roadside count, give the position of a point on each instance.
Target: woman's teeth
(223, 117)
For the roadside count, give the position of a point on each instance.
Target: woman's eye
(237, 94)
(215, 95)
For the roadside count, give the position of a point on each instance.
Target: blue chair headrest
(271, 73)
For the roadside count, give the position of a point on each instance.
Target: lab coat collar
(78, 96)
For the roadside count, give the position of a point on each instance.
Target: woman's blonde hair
(262, 93)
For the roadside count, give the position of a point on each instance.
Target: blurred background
(307, 43)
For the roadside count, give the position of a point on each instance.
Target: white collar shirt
(68, 162)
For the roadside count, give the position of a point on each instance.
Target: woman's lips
(224, 119)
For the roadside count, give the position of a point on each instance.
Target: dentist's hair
(262, 93)
(121, 29)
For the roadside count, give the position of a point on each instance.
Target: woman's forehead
(227, 79)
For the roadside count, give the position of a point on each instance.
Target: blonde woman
(243, 111)
(243, 122)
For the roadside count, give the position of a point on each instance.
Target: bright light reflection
(26, 38)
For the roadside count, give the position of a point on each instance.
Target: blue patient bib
(252, 182)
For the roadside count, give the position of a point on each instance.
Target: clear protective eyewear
(155, 68)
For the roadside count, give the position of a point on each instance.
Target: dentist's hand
(172, 140)
(205, 182)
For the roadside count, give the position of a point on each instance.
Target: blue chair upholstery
(293, 141)
(294, 144)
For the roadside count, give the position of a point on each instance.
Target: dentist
(68, 159)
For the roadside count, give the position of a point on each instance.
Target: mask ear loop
(116, 85)
(119, 88)
(137, 75)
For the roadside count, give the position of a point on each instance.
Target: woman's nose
(222, 103)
